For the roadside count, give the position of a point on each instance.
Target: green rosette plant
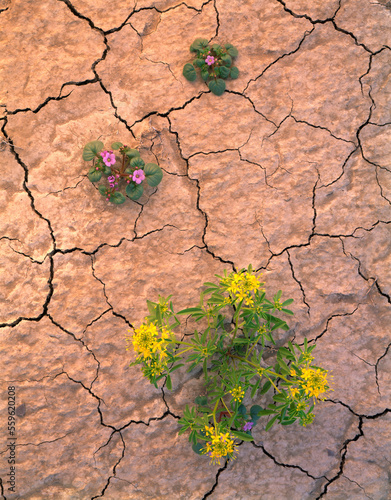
(215, 63)
(230, 350)
(130, 170)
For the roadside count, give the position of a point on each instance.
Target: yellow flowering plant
(232, 361)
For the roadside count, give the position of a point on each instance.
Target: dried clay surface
(289, 170)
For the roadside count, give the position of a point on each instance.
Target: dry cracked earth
(289, 170)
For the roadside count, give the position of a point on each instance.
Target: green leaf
(266, 387)
(232, 51)
(288, 422)
(201, 400)
(198, 44)
(168, 383)
(204, 367)
(242, 410)
(279, 398)
(176, 367)
(199, 62)
(92, 149)
(102, 189)
(227, 60)
(137, 162)
(217, 86)
(283, 365)
(204, 74)
(271, 422)
(242, 435)
(117, 198)
(107, 170)
(266, 412)
(287, 302)
(254, 410)
(134, 191)
(189, 72)
(224, 72)
(210, 285)
(255, 388)
(153, 174)
(132, 153)
(234, 72)
(216, 47)
(197, 448)
(190, 310)
(287, 311)
(94, 175)
(116, 145)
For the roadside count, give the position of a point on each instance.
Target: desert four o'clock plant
(215, 63)
(240, 321)
(130, 171)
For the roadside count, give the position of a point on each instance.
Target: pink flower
(108, 158)
(248, 426)
(210, 60)
(138, 176)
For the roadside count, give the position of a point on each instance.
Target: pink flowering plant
(129, 170)
(239, 326)
(215, 63)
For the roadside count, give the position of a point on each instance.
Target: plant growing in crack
(215, 63)
(130, 170)
(232, 362)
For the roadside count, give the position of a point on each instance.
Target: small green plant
(230, 351)
(215, 63)
(130, 170)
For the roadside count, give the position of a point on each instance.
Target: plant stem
(214, 415)
(222, 400)
(257, 367)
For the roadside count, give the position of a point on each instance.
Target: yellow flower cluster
(315, 382)
(237, 393)
(150, 344)
(240, 286)
(221, 446)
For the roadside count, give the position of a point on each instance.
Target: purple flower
(138, 176)
(210, 60)
(248, 426)
(108, 158)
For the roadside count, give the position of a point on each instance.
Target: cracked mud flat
(290, 170)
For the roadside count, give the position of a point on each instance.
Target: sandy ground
(288, 170)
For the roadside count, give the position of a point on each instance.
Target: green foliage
(199, 63)
(227, 60)
(134, 191)
(231, 50)
(205, 74)
(91, 150)
(132, 153)
(153, 174)
(224, 72)
(102, 190)
(120, 171)
(117, 198)
(137, 162)
(189, 72)
(217, 86)
(232, 362)
(234, 72)
(198, 44)
(214, 62)
(94, 175)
